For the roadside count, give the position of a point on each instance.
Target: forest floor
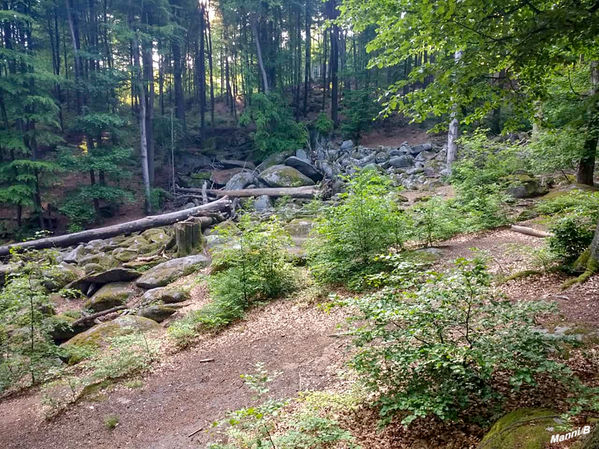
(185, 393)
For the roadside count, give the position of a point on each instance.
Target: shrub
(270, 425)
(435, 219)
(360, 110)
(443, 347)
(323, 124)
(253, 266)
(571, 237)
(276, 130)
(26, 349)
(365, 223)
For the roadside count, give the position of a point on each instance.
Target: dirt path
(184, 395)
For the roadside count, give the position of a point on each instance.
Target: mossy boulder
(101, 333)
(299, 227)
(102, 259)
(110, 295)
(273, 159)
(158, 312)
(522, 429)
(158, 236)
(284, 176)
(165, 295)
(59, 276)
(169, 271)
(525, 186)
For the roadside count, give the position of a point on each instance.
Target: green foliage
(268, 425)
(25, 321)
(78, 206)
(323, 124)
(571, 237)
(434, 219)
(157, 198)
(252, 266)
(276, 130)
(359, 112)
(365, 223)
(574, 217)
(443, 346)
(111, 421)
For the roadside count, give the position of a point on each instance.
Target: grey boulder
(304, 167)
(171, 270)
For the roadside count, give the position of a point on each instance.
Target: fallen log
(86, 319)
(530, 231)
(293, 192)
(154, 221)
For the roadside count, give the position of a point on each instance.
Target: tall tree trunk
(141, 91)
(177, 75)
(148, 85)
(452, 135)
(210, 68)
(308, 55)
(259, 54)
(334, 64)
(586, 165)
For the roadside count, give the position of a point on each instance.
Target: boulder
(222, 177)
(240, 181)
(158, 312)
(525, 186)
(100, 334)
(302, 154)
(299, 227)
(401, 161)
(262, 203)
(164, 295)
(109, 296)
(171, 270)
(522, 429)
(284, 176)
(5, 270)
(75, 255)
(158, 236)
(346, 145)
(112, 275)
(105, 260)
(304, 167)
(422, 147)
(273, 159)
(59, 276)
(230, 163)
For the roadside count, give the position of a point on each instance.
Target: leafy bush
(323, 124)
(253, 266)
(26, 349)
(360, 110)
(78, 204)
(444, 346)
(270, 425)
(574, 216)
(276, 129)
(434, 219)
(571, 237)
(365, 223)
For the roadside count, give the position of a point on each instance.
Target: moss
(521, 429)
(590, 266)
(522, 274)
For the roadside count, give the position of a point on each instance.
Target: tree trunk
(334, 64)
(307, 56)
(222, 206)
(188, 237)
(177, 72)
(148, 95)
(586, 166)
(259, 54)
(452, 134)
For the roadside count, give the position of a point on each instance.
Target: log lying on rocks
(206, 211)
(530, 231)
(293, 192)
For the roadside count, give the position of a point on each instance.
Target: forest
(299, 224)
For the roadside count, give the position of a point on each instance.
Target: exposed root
(585, 263)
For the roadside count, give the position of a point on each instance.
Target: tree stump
(189, 238)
